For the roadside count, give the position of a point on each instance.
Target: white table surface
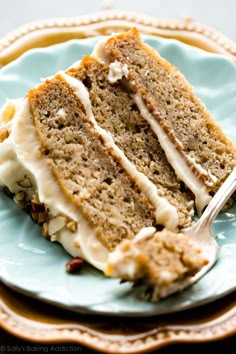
(219, 14)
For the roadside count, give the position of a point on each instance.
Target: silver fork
(200, 232)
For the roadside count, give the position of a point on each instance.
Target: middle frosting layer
(165, 213)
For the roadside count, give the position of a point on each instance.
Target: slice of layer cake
(194, 143)
(96, 158)
(70, 176)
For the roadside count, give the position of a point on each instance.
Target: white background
(219, 14)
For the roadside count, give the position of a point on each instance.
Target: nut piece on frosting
(7, 112)
(3, 134)
(160, 262)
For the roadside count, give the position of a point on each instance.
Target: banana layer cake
(112, 158)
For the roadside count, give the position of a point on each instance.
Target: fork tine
(198, 230)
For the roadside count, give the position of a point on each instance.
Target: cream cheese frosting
(175, 159)
(99, 51)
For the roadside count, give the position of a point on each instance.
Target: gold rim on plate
(33, 320)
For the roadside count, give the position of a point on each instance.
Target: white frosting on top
(165, 213)
(174, 157)
(117, 71)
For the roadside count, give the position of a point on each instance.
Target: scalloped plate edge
(51, 31)
(76, 332)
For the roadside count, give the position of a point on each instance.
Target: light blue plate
(34, 266)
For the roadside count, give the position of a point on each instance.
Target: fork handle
(219, 199)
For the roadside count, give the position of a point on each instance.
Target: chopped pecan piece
(56, 224)
(74, 265)
(71, 226)
(25, 183)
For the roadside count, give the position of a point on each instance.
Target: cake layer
(201, 146)
(115, 110)
(86, 172)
